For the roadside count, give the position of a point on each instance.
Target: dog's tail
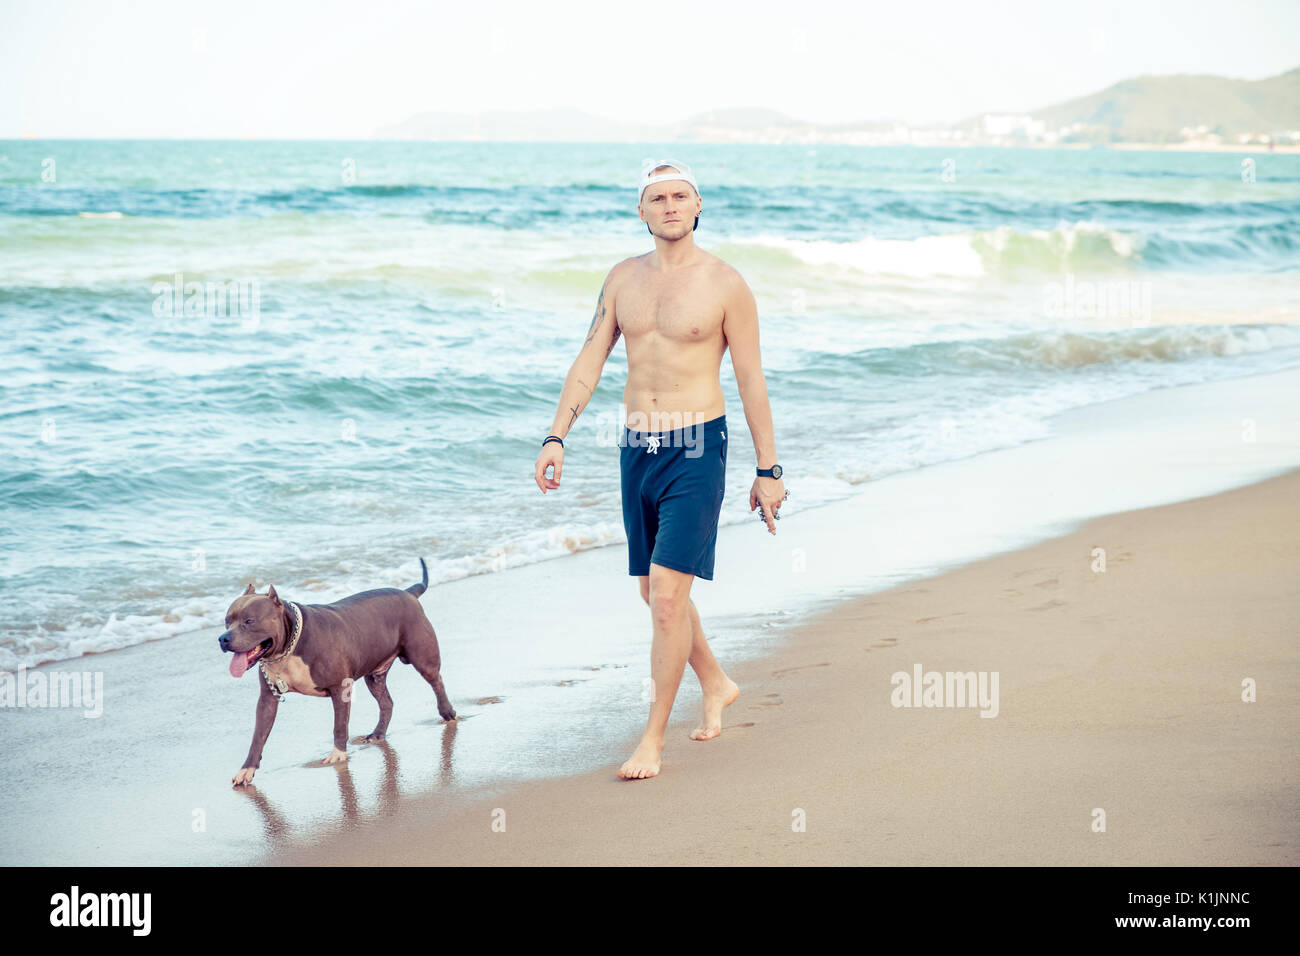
(418, 589)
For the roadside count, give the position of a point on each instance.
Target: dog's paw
(336, 756)
(244, 776)
(449, 716)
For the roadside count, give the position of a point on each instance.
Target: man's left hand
(768, 493)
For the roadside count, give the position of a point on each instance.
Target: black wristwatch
(773, 472)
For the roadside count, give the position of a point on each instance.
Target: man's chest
(689, 310)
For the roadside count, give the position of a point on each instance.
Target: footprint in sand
(488, 700)
(1049, 583)
(1021, 574)
(1048, 606)
(786, 670)
(770, 703)
(922, 620)
(883, 642)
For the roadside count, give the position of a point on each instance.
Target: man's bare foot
(713, 704)
(643, 763)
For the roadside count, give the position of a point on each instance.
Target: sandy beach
(935, 409)
(1119, 690)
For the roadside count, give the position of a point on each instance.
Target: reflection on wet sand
(388, 794)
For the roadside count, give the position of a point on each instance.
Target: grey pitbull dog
(322, 649)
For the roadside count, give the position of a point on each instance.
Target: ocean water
(309, 363)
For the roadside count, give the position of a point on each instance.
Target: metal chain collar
(279, 687)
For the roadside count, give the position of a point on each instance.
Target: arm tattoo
(596, 321)
(597, 318)
(577, 407)
(613, 340)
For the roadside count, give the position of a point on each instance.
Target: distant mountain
(1147, 109)
(562, 124)
(1158, 109)
(743, 117)
(748, 123)
(763, 125)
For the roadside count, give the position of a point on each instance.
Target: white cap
(649, 179)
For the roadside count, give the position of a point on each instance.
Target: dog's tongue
(239, 663)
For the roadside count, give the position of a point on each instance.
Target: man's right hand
(552, 454)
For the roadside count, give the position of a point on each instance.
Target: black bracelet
(551, 438)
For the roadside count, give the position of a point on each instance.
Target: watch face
(776, 471)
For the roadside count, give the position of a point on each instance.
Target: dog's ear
(250, 590)
(275, 598)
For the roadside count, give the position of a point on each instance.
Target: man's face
(669, 208)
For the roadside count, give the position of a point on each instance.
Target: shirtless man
(680, 308)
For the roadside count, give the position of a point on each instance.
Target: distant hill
(1146, 109)
(562, 124)
(569, 125)
(1156, 109)
(739, 124)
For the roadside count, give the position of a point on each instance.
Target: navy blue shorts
(672, 495)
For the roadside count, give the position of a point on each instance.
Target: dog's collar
(280, 687)
(293, 641)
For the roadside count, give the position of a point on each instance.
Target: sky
(337, 70)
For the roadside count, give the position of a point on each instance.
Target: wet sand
(1118, 690)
